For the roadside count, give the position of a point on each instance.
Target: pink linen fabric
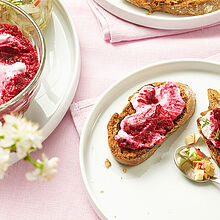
(65, 196)
(80, 111)
(117, 30)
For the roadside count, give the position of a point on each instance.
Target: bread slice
(179, 7)
(134, 157)
(214, 102)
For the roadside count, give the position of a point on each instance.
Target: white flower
(31, 176)
(4, 161)
(21, 133)
(46, 171)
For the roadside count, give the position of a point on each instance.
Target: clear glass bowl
(39, 10)
(11, 14)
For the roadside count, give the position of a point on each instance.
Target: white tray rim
(53, 122)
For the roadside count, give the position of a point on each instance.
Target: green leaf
(215, 135)
(205, 122)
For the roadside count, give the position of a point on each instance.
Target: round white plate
(160, 20)
(154, 189)
(61, 74)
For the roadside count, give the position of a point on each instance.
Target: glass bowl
(40, 11)
(13, 15)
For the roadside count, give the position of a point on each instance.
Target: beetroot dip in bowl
(22, 58)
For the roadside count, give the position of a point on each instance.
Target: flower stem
(12, 148)
(34, 162)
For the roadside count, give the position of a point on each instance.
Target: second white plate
(160, 20)
(154, 189)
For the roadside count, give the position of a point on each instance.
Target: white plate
(160, 20)
(154, 189)
(61, 74)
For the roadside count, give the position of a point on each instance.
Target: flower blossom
(4, 161)
(45, 169)
(22, 134)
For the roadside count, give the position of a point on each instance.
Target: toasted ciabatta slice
(135, 157)
(214, 102)
(179, 7)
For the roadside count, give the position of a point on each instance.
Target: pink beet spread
(214, 125)
(18, 62)
(156, 108)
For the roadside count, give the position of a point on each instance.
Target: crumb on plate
(107, 163)
(125, 170)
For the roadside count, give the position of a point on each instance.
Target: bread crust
(179, 7)
(214, 102)
(134, 157)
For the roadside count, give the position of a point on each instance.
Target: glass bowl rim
(42, 62)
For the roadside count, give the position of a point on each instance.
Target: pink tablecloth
(65, 196)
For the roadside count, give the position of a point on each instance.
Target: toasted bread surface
(214, 99)
(179, 7)
(214, 102)
(134, 157)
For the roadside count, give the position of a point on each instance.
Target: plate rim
(58, 115)
(92, 199)
(188, 22)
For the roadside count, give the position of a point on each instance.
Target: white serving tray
(154, 189)
(159, 20)
(61, 73)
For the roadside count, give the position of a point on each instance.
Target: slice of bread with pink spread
(214, 103)
(131, 157)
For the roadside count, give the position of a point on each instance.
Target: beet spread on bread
(152, 114)
(209, 125)
(179, 7)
